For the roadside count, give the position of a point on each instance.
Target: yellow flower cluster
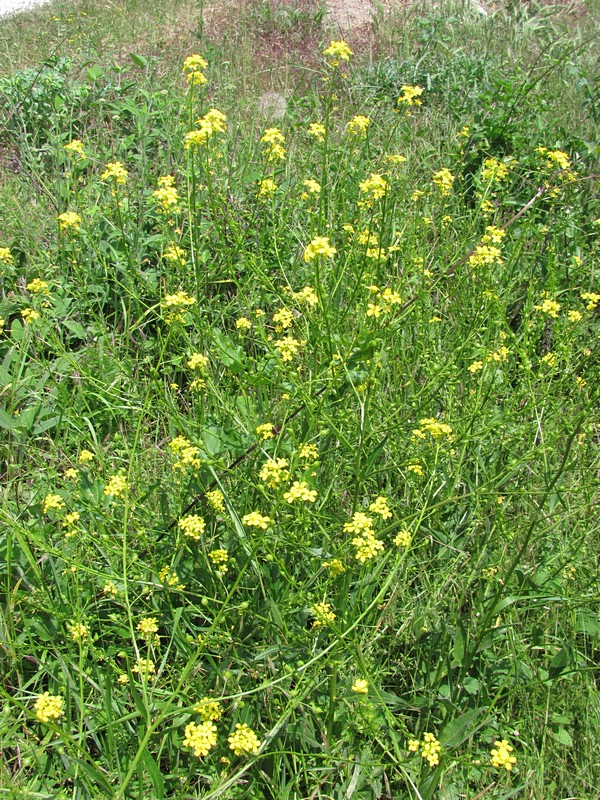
(299, 491)
(52, 501)
(243, 740)
(148, 627)
(312, 187)
(78, 631)
(380, 506)
(6, 255)
(214, 121)
(48, 707)
(117, 486)
(337, 52)
(267, 188)
(216, 500)
(256, 520)
(37, 286)
(403, 539)
(144, 667)
(411, 96)
(85, 456)
(443, 179)
(360, 686)
(70, 520)
(170, 578)
(548, 306)
(116, 172)
(175, 255)
(265, 431)
(177, 304)
(166, 196)
(374, 187)
(592, 299)
(193, 526)
(501, 755)
(499, 356)
(433, 427)
(187, 453)
(323, 614)
(366, 544)
(335, 567)
(308, 452)
(306, 295)
(209, 710)
(319, 246)
(69, 220)
(75, 148)
(288, 347)
(317, 130)
(358, 125)
(200, 738)
(273, 139)
(193, 66)
(493, 171)
(198, 361)
(274, 471)
(283, 319)
(485, 254)
(30, 315)
(430, 748)
(219, 558)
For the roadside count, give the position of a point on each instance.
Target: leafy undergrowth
(300, 434)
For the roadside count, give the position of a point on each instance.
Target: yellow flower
(380, 506)
(71, 474)
(255, 520)
(494, 170)
(214, 121)
(243, 324)
(194, 62)
(200, 738)
(69, 219)
(367, 546)
(309, 452)
(243, 740)
(299, 491)
(148, 627)
(85, 456)
(267, 188)
(274, 140)
(476, 366)
(319, 246)
(265, 431)
(166, 196)
(358, 125)
(115, 171)
(110, 589)
(306, 295)
(75, 148)
(175, 255)
(37, 286)
(188, 455)
(549, 307)
(6, 255)
(317, 130)
(593, 299)
(335, 567)
(360, 523)
(52, 501)
(219, 558)
(430, 749)
(117, 486)
(198, 361)
(501, 755)
(48, 707)
(312, 186)
(323, 613)
(30, 315)
(403, 539)
(216, 500)
(283, 319)
(410, 95)
(144, 667)
(193, 526)
(434, 428)
(443, 179)
(79, 632)
(336, 52)
(274, 471)
(375, 187)
(360, 686)
(288, 347)
(209, 709)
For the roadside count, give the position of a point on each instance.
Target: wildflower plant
(300, 422)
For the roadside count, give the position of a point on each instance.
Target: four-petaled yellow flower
(319, 246)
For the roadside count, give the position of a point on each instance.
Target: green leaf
(156, 777)
(230, 355)
(139, 61)
(562, 736)
(459, 729)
